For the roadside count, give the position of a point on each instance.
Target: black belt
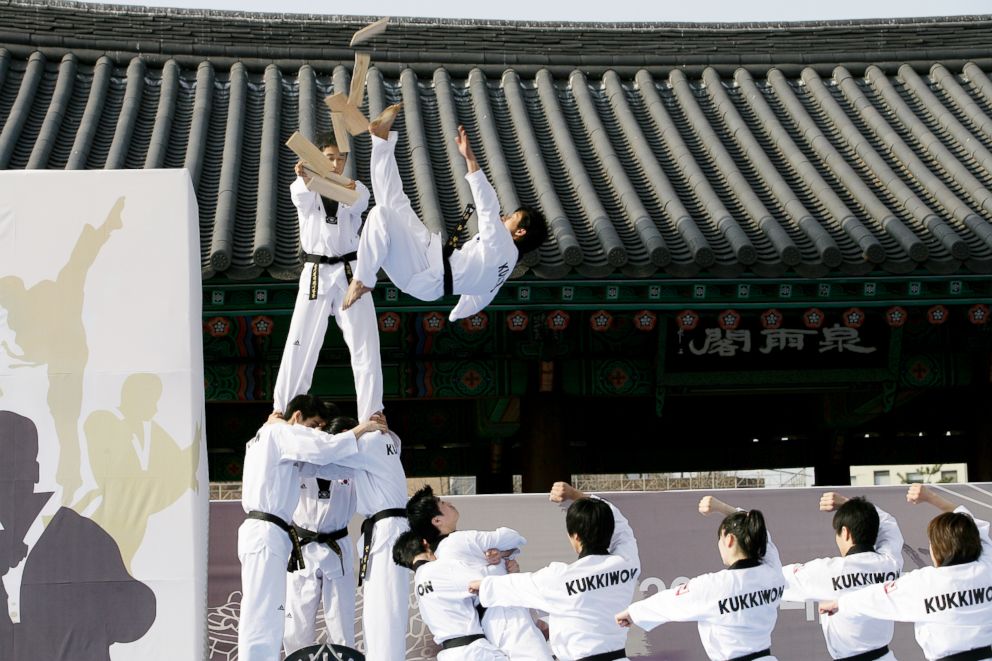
(367, 526)
(317, 260)
(296, 554)
(606, 656)
(461, 641)
(327, 538)
(970, 655)
(753, 655)
(870, 655)
(449, 280)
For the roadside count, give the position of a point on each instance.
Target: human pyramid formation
(308, 470)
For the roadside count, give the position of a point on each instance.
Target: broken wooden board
(369, 31)
(358, 75)
(314, 159)
(340, 132)
(356, 122)
(334, 191)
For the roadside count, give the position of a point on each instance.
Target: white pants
(315, 584)
(513, 631)
(263, 549)
(394, 238)
(386, 596)
(359, 327)
(478, 650)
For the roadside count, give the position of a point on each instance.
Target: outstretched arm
(465, 149)
(921, 493)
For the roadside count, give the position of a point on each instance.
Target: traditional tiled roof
(655, 150)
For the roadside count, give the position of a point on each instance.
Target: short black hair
(407, 547)
(860, 518)
(537, 230)
(592, 520)
(749, 529)
(327, 140)
(310, 406)
(421, 509)
(341, 423)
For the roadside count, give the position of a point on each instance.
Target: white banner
(103, 490)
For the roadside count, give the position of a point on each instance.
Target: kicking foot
(381, 125)
(355, 291)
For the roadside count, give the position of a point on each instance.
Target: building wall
(907, 473)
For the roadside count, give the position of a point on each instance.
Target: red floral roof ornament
(601, 321)
(262, 326)
(645, 320)
(853, 317)
(896, 316)
(218, 327)
(687, 320)
(517, 320)
(978, 314)
(937, 315)
(476, 323)
(771, 319)
(729, 319)
(433, 322)
(814, 318)
(389, 322)
(557, 320)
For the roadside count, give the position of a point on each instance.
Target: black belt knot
(870, 655)
(976, 654)
(317, 260)
(461, 641)
(606, 656)
(367, 527)
(329, 539)
(296, 554)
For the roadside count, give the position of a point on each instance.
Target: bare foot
(381, 125)
(355, 291)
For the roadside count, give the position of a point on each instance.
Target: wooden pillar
(980, 461)
(833, 468)
(493, 476)
(543, 442)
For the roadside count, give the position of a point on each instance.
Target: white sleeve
(299, 443)
(523, 590)
(487, 208)
(301, 195)
(623, 542)
(808, 581)
(890, 541)
(371, 455)
(362, 203)
(327, 472)
(686, 603)
(772, 558)
(897, 600)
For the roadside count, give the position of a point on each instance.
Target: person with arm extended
(578, 596)
(949, 603)
(736, 608)
(870, 546)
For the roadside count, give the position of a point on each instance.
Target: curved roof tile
(651, 156)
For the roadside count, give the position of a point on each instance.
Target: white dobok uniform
(580, 598)
(825, 579)
(396, 240)
(325, 507)
(736, 608)
(951, 606)
(449, 610)
(271, 484)
(510, 629)
(380, 485)
(358, 323)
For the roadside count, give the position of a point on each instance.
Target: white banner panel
(103, 472)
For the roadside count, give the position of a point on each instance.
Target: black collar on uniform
(745, 563)
(859, 548)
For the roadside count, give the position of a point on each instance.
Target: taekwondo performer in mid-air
(415, 260)
(329, 239)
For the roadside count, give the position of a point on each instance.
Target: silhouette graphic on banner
(47, 321)
(138, 467)
(65, 592)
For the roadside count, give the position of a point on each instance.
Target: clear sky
(603, 10)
